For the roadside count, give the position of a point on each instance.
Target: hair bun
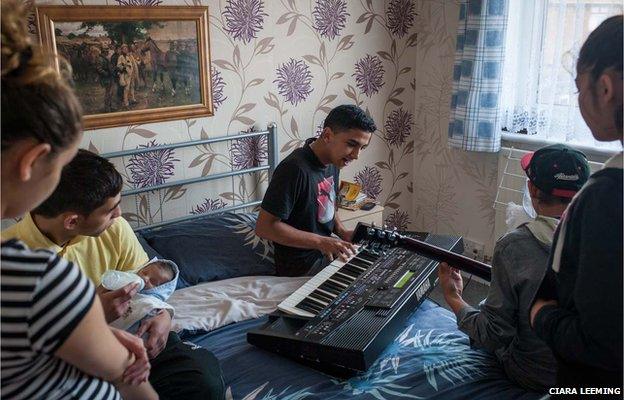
(23, 63)
(16, 43)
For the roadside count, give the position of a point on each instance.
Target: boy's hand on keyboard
(332, 248)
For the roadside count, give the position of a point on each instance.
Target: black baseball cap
(558, 170)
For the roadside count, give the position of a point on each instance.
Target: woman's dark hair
(37, 102)
(602, 51)
(86, 183)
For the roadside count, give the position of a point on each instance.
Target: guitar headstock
(369, 232)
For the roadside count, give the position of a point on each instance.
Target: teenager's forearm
(456, 303)
(340, 230)
(286, 235)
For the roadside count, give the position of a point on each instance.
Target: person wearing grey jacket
(501, 323)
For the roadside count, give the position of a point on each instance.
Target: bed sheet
(430, 358)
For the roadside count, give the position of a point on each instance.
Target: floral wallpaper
(292, 61)
(453, 190)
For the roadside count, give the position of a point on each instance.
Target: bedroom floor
(474, 292)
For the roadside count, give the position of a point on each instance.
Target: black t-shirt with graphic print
(302, 193)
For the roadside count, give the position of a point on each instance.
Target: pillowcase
(151, 253)
(214, 247)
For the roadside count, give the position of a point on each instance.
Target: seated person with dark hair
(298, 210)
(82, 222)
(501, 324)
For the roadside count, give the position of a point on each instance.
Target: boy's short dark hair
(86, 183)
(349, 116)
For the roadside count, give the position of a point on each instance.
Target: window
(543, 40)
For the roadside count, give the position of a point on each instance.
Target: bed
(219, 300)
(227, 287)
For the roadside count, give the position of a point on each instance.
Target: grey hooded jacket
(501, 324)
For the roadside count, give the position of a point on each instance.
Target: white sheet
(208, 306)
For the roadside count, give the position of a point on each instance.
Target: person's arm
(590, 333)
(157, 329)
(93, 348)
(115, 303)
(280, 199)
(493, 325)
(272, 228)
(340, 230)
(66, 320)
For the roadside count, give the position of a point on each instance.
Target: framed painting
(132, 65)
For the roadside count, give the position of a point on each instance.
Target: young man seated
(298, 210)
(81, 221)
(501, 324)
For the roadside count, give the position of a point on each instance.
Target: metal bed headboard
(272, 153)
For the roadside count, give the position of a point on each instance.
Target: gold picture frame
(132, 65)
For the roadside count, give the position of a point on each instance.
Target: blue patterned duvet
(430, 358)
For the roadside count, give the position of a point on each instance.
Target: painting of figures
(129, 66)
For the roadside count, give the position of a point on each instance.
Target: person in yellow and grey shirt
(82, 222)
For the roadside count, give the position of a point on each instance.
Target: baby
(157, 280)
(156, 273)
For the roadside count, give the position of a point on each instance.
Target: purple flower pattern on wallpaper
(244, 19)
(249, 152)
(330, 17)
(143, 3)
(400, 15)
(218, 84)
(208, 205)
(369, 74)
(399, 220)
(293, 81)
(370, 180)
(398, 127)
(152, 168)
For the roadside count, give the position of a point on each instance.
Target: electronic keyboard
(343, 318)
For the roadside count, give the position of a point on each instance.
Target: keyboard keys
(328, 287)
(307, 307)
(322, 289)
(357, 262)
(367, 255)
(318, 293)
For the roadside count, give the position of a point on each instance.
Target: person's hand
(332, 247)
(116, 302)
(451, 281)
(139, 371)
(157, 329)
(537, 306)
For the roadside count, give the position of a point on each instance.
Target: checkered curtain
(477, 76)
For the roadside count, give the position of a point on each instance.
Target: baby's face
(156, 274)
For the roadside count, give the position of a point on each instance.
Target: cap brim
(526, 160)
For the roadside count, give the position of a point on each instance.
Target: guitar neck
(455, 260)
